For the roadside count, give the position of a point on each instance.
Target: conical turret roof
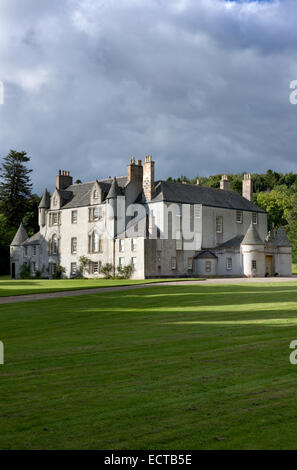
(20, 236)
(252, 237)
(114, 190)
(45, 200)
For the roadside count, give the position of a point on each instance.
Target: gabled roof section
(79, 195)
(207, 254)
(252, 237)
(114, 190)
(195, 194)
(45, 200)
(20, 236)
(281, 238)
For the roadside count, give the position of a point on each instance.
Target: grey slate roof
(206, 254)
(45, 200)
(20, 236)
(252, 237)
(114, 190)
(195, 194)
(34, 240)
(281, 238)
(233, 243)
(78, 195)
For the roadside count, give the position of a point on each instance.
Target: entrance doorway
(13, 270)
(268, 266)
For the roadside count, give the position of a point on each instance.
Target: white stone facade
(161, 229)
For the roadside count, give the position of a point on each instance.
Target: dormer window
(95, 194)
(55, 202)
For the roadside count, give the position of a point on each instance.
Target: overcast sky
(201, 85)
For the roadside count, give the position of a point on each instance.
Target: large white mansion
(159, 228)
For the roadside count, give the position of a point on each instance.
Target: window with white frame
(54, 245)
(95, 194)
(74, 245)
(178, 210)
(133, 244)
(173, 263)
(133, 264)
(239, 217)
(73, 269)
(55, 218)
(179, 244)
(25, 251)
(95, 267)
(34, 250)
(207, 266)
(95, 214)
(254, 264)
(121, 262)
(229, 264)
(121, 245)
(219, 224)
(95, 243)
(190, 263)
(55, 202)
(74, 217)
(255, 218)
(197, 211)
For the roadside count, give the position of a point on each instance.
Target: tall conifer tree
(15, 186)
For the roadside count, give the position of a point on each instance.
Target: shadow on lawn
(211, 295)
(209, 305)
(17, 283)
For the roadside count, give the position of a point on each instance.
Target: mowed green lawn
(9, 287)
(187, 367)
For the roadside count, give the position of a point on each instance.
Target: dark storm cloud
(203, 86)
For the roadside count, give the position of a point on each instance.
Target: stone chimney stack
(225, 183)
(63, 179)
(135, 173)
(148, 178)
(247, 187)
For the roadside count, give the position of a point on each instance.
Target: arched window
(55, 201)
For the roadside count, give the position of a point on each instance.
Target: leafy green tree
(15, 186)
(292, 226)
(277, 204)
